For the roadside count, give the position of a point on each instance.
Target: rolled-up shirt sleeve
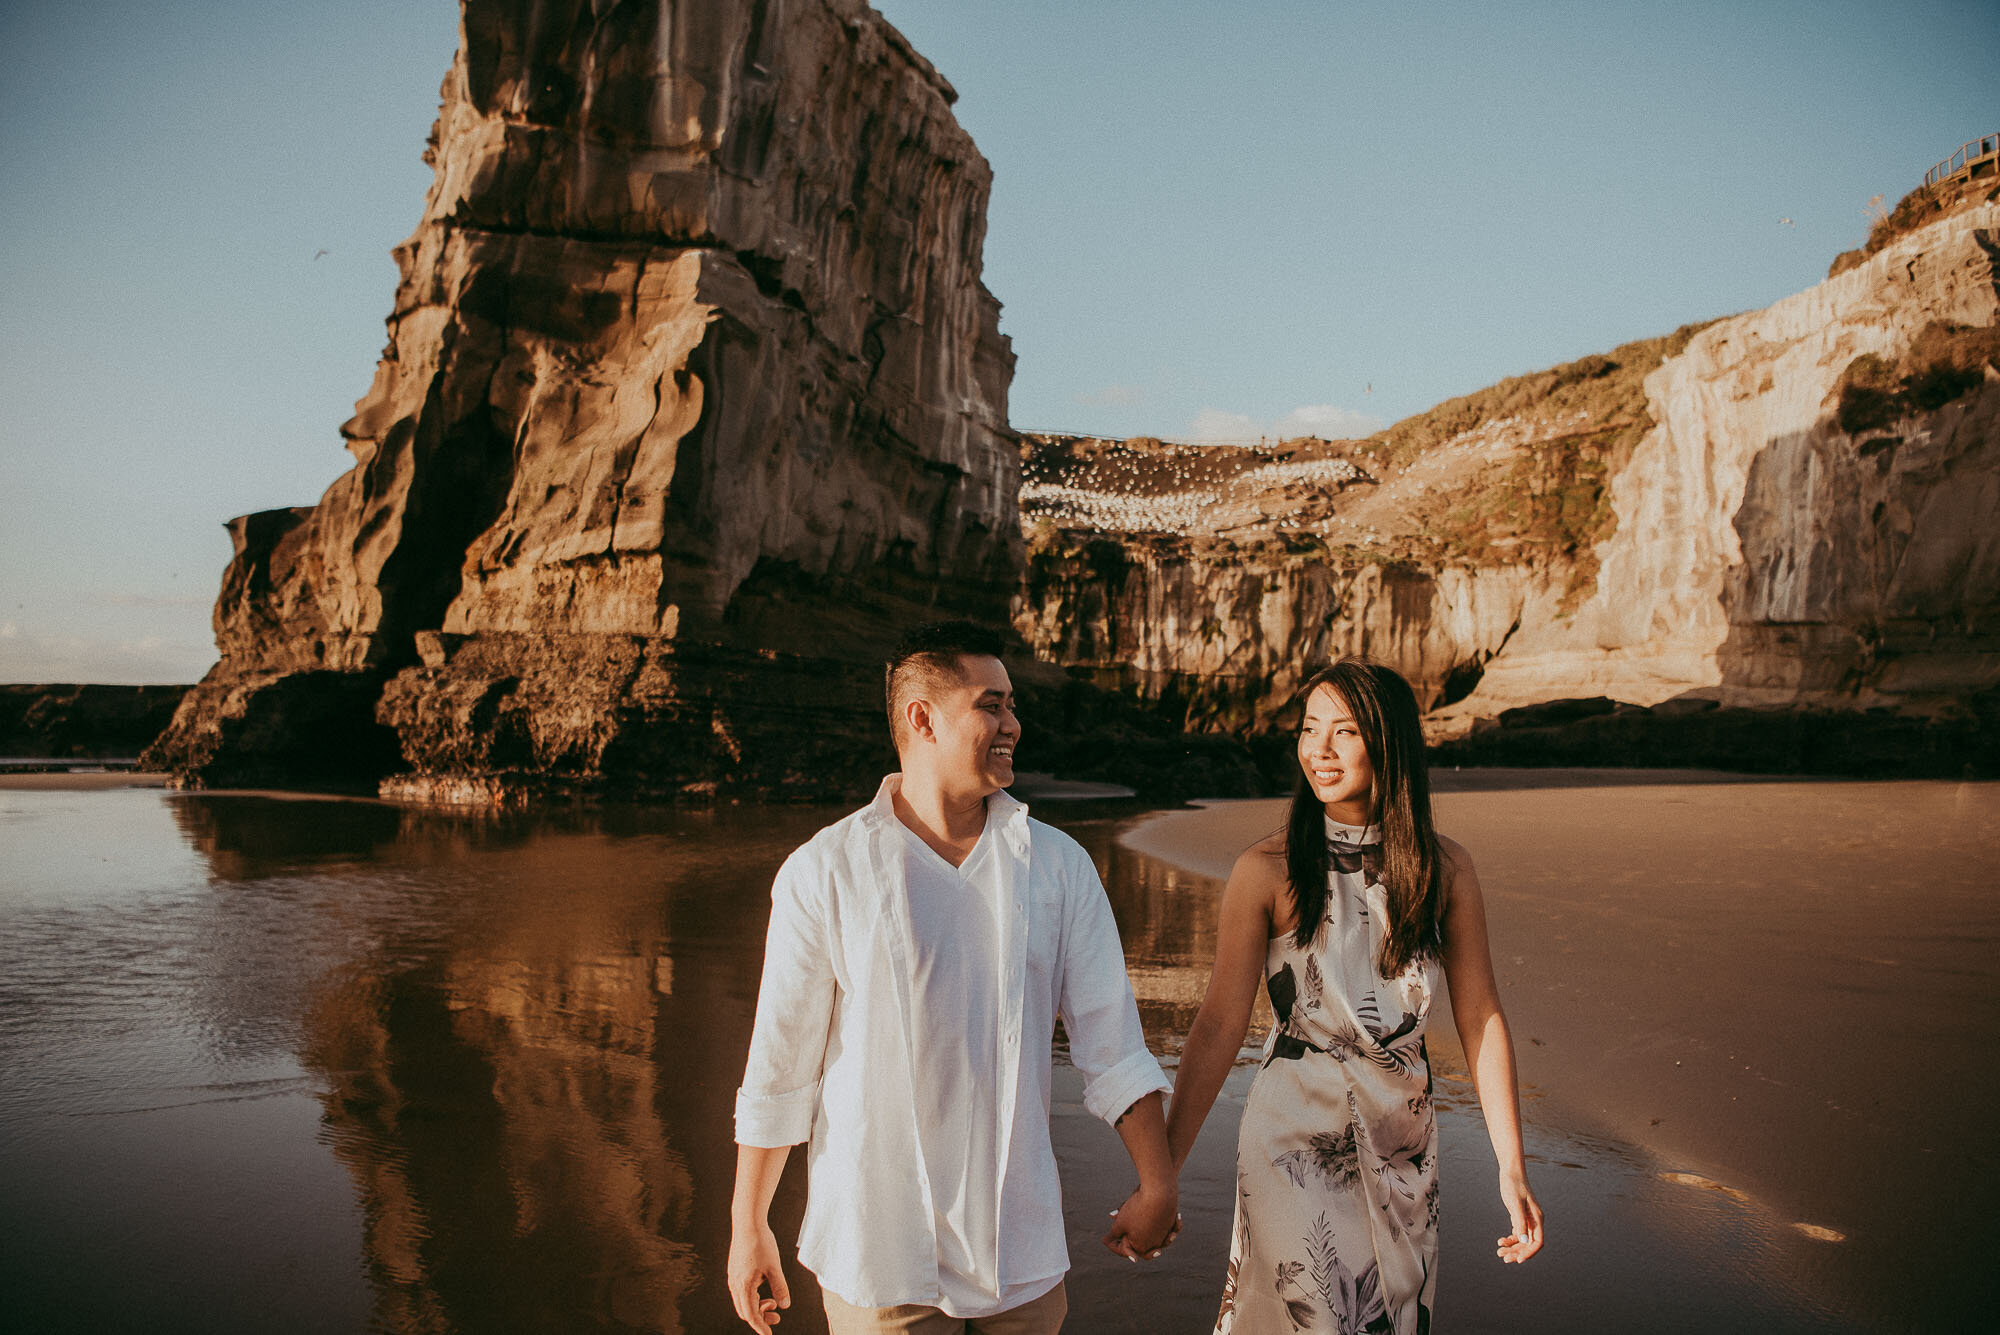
(780, 1090)
(1106, 1041)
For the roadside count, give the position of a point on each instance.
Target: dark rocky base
(511, 721)
(1699, 734)
(72, 722)
(312, 730)
(1076, 731)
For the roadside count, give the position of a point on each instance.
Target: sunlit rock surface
(1765, 555)
(690, 373)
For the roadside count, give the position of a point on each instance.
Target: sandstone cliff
(1779, 537)
(1793, 507)
(692, 393)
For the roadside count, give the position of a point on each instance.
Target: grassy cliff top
(1920, 208)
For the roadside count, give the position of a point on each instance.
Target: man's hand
(753, 1263)
(1146, 1224)
(1149, 1219)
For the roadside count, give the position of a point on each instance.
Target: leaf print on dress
(1390, 1049)
(1315, 986)
(1396, 1149)
(1229, 1291)
(1333, 1156)
(1353, 858)
(1300, 1310)
(1354, 1299)
(1284, 989)
(1343, 1042)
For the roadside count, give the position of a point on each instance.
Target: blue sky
(1206, 220)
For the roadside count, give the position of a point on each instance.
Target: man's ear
(917, 718)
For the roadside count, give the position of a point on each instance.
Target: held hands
(1526, 1215)
(753, 1262)
(1146, 1224)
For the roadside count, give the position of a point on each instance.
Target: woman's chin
(1345, 805)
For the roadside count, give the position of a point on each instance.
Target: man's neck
(949, 822)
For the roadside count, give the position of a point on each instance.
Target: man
(919, 953)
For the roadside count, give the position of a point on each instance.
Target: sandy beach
(1795, 1016)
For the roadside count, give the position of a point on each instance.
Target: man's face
(974, 724)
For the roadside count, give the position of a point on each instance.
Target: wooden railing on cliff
(1975, 157)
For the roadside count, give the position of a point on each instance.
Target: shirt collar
(1002, 808)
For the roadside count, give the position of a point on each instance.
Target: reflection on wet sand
(530, 1079)
(1167, 920)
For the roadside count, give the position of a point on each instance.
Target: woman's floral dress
(1336, 1169)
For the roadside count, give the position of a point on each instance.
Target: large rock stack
(692, 395)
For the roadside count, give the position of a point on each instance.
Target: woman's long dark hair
(1413, 868)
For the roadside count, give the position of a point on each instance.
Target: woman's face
(1335, 759)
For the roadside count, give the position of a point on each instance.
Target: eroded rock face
(1764, 554)
(690, 354)
(1231, 632)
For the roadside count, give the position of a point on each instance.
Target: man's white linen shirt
(853, 1020)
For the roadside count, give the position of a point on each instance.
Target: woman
(1346, 915)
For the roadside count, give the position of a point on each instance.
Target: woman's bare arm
(1489, 1049)
(1250, 902)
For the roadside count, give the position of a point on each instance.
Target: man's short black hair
(931, 652)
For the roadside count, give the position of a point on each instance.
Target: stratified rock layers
(691, 384)
(1231, 632)
(1767, 548)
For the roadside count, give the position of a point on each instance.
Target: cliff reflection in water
(530, 1062)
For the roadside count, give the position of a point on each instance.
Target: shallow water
(308, 1064)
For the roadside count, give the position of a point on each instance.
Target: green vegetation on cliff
(1578, 422)
(1942, 362)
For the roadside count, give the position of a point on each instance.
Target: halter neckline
(1353, 834)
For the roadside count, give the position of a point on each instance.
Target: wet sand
(1791, 1018)
(84, 781)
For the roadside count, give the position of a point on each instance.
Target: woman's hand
(1145, 1225)
(1525, 1212)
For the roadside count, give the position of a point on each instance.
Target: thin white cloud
(1112, 396)
(153, 600)
(1215, 424)
(1309, 419)
(148, 660)
(1328, 420)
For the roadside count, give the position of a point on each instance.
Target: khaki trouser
(1042, 1316)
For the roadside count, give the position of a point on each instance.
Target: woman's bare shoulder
(1264, 858)
(1461, 882)
(1262, 865)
